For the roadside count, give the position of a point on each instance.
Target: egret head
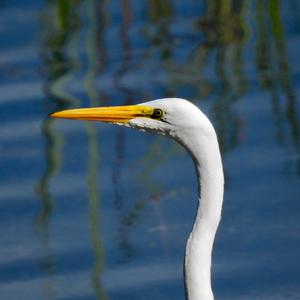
(173, 117)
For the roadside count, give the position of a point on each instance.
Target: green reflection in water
(60, 27)
(160, 16)
(55, 31)
(94, 212)
(160, 13)
(52, 52)
(126, 65)
(224, 30)
(275, 75)
(95, 64)
(152, 160)
(53, 161)
(54, 41)
(229, 37)
(284, 71)
(52, 156)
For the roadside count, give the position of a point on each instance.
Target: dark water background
(93, 211)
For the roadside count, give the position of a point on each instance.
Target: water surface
(93, 211)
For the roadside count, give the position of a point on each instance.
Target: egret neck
(207, 159)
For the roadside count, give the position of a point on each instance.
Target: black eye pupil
(157, 113)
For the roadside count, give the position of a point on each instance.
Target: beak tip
(52, 115)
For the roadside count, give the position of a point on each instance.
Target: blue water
(93, 211)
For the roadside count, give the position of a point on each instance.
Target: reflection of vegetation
(60, 26)
(94, 66)
(160, 14)
(284, 70)
(94, 212)
(227, 122)
(53, 146)
(122, 235)
(225, 29)
(55, 31)
(150, 162)
(274, 70)
(125, 66)
(222, 31)
(153, 159)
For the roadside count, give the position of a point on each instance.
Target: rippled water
(92, 211)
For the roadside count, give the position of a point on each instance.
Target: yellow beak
(113, 114)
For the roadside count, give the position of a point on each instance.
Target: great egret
(185, 123)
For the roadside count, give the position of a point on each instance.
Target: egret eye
(157, 113)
